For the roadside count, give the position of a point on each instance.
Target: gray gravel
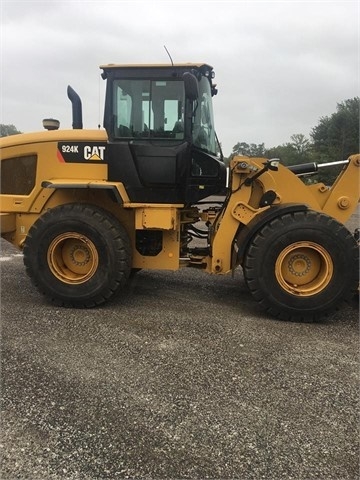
(181, 377)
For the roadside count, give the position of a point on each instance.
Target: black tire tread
(260, 242)
(106, 223)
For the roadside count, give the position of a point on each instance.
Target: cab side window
(148, 109)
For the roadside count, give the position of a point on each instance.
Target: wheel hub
(72, 258)
(80, 255)
(304, 268)
(299, 265)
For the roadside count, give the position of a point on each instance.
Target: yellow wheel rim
(304, 268)
(72, 258)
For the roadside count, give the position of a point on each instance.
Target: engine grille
(18, 175)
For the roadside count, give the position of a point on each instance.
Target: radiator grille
(18, 175)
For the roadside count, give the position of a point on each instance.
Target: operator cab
(161, 139)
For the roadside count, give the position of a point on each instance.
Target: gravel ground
(182, 377)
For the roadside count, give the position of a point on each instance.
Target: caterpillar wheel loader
(89, 207)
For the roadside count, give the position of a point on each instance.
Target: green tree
(291, 153)
(6, 130)
(286, 153)
(337, 136)
(294, 152)
(249, 150)
(301, 145)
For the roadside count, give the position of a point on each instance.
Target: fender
(246, 232)
(117, 189)
(14, 226)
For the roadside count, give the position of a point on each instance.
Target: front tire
(78, 255)
(301, 266)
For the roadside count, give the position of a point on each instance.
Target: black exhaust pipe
(76, 108)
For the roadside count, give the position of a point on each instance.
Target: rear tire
(301, 266)
(78, 255)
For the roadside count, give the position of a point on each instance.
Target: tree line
(6, 130)
(335, 137)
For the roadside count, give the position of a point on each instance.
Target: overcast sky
(280, 65)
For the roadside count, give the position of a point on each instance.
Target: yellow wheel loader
(151, 191)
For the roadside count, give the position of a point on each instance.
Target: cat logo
(94, 152)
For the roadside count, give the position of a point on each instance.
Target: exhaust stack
(76, 108)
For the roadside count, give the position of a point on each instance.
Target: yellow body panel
(49, 167)
(7, 222)
(162, 217)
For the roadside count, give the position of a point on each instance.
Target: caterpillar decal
(71, 152)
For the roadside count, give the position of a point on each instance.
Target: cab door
(148, 151)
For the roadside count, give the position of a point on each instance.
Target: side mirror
(191, 86)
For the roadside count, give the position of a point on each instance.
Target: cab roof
(157, 65)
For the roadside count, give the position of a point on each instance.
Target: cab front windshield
(203, 127)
